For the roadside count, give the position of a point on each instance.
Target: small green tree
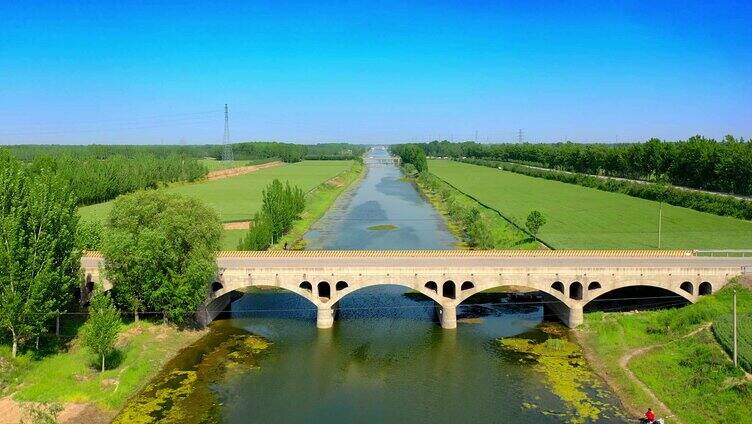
(101, 329)
(535, 220)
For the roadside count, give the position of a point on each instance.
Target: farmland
(579, 217)
(237, 198)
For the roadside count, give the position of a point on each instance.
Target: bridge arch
(558, 286)
(678, 293)
(575, 290)
(324, 291)
(431, 285)
(688, 287)
(449, 290)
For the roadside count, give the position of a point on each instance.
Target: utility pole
(736, 360)
(226, 146)
(660, 220)
(520, 136)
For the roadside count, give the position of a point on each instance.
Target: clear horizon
(114, 73)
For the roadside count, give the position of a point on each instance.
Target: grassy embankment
(218, 165)
(675, 355)
(238, 198)
(584, 218)
(69, 373)
(318, 201)
(503, 234)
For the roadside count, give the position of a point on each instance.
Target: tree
(535, 220)
(159, 251)
(101, 329)
(281, 206)
(259, 236)
(39, 262)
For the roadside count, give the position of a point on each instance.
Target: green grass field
(72, 376)
(690, 373)
(585, 218)
(237, 198)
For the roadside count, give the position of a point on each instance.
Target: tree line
(698, 162)
(99, 180)
(287, 152)
(159, 251)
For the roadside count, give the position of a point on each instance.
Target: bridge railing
(728, 253)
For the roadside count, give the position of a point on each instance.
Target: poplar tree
(39, 262)
(100, 331)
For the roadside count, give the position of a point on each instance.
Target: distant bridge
(373, 160)
(448, 277)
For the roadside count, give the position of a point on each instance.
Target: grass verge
(71, 374)
(674, 356)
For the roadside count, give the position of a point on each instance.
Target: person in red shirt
(650, 416)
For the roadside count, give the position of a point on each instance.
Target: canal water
(386, 359)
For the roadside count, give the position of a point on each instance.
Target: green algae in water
(181, 392)
(564, 367)
(383, 227)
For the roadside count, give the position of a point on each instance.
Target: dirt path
(11, 412)
(628, 355)
(239, 225)
(241, 170)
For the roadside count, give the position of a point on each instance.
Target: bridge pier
(448, 316)
(570, 316)
(211, 309)
(325, 317)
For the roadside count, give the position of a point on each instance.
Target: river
(386, 359)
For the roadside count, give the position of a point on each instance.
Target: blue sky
(151, 72)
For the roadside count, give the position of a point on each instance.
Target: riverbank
(454, 207)
(670, 361)
(318, 201)
(66, 375)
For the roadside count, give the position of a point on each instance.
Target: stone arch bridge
(570, 278)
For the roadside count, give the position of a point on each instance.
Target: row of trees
(411, 154)
(39, 261)
(281, 205)
(698, 162)
(242, 151)
(96, 180)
